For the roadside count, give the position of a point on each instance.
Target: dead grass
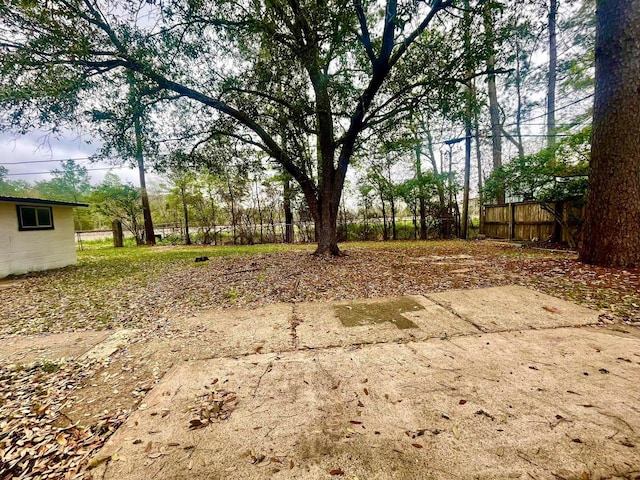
(139, 287)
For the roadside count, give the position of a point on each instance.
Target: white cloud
(44, 152)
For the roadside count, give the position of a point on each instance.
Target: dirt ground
(303, 384)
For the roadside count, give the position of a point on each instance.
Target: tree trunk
(150, 238)
(432, 157)
(421, 199)
(467, 170)
(234, 219)
(288, 214)
(149, 234)
(612, 219)
(476, 137)
(394, 230)
(519, 145)
(185, 212)
(260, 215)
(385, 231)
(326, 225)
(467, 124)
(494, 107)
(551, 80)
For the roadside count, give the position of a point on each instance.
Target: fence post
(512, 221)
(117, 233)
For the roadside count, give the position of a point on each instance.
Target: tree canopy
(306, 82)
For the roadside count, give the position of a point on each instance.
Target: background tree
(119, 201)
(70, 183)
(13, 188)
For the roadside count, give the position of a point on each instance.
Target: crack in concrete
(449, 309)
(295, 321)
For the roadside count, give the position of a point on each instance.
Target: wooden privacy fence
(554, 221)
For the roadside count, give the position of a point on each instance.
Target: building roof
(40, 201)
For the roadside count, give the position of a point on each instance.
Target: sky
(44, 154)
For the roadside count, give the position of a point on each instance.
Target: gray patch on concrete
(513, 308)
(542, 404)
(357, 314)
(321, 327)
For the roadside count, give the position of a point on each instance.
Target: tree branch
(365, 38)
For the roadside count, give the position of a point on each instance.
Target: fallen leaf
(336, 471)
(61, 439)
(462, 402)
(366, 392)
(552, 309)
(195, 423)
(456, 432)
(417, 445)
(291, 465)
(96, 462)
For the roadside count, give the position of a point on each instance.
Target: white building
(35, 235)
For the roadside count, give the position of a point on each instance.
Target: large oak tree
(306, 81)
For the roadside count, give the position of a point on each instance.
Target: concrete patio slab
(513, 308)
(25, 349)
(558, 403)
(233, 332)
(321, 325)
(111, 344)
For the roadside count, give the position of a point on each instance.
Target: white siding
(29, 251)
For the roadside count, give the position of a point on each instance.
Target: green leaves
(552, 174)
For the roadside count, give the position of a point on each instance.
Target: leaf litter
(54, 416)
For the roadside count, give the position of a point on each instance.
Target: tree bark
(494, 107)
(327, 225)
(551, 80)
(612, 219)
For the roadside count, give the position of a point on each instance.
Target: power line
(555, 110)
(88, 169)
(81, 159)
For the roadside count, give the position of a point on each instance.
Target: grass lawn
(141, 286)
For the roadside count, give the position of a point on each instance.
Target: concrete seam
(295, 321)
